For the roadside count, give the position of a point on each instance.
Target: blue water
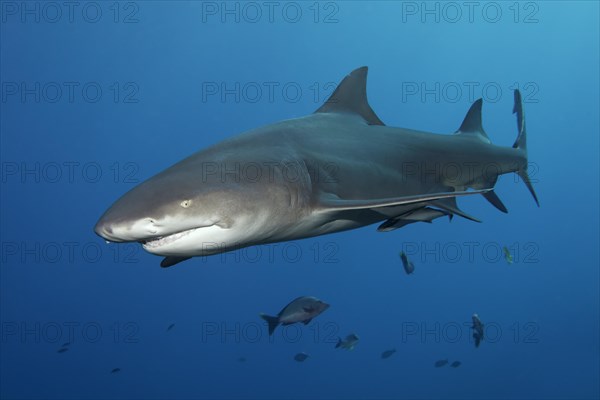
(98, 96)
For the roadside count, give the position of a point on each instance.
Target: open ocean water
(98, 96)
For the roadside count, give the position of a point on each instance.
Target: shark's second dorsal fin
(351, 97)
(472, 123)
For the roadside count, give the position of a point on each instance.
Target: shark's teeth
(164, 240)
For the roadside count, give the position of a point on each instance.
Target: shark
(336, 169)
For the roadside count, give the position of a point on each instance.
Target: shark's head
(177, 213)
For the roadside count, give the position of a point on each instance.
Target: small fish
(409, 267)
(303, 309)
(65, 344)
(424, 214)
(477, 329)
(388, 353)
(440, 363)
(455, 364)
(170, 327)
(115, 370)
(62, 350)
(348, 343)
(300, 357)
(507, 256)
(242, 359)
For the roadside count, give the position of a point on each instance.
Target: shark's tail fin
(272, 321)
(521, 143)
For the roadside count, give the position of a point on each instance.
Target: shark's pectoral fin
(350, 97)
(424, 214)
(172, 260)
(331, 203)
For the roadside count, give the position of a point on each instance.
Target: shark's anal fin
(493, 198)
(472, 124)
(172, 260)
(525, 177)
(350, 97)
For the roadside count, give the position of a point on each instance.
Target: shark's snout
(104, 229)
(117, 230)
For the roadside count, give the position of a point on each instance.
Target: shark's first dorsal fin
(472, 123)
(351, 97)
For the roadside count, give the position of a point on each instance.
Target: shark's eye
(186, 203)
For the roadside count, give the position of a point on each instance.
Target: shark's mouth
(161, 241)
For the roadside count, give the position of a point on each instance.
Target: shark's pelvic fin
(351, 97)
(521, 143)
(449, 205)
(472, 124)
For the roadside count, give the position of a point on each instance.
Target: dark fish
(170, 327)
(409, 267)
(388, 353)
(455, 364)
(115, 370)
(348, 343)
(477, 329)
(242, 359)
(66, 344)
(62, 350)
(477, 338)
(440, 363)
(300, 357)
(303, 309)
